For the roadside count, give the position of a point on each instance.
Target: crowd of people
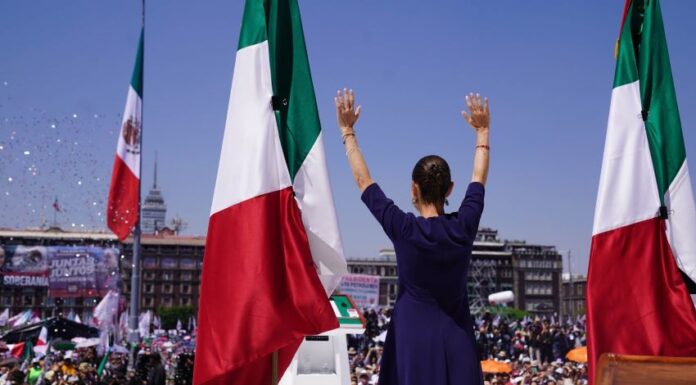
(168, 363)
(532, 350)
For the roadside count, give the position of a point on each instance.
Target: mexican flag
(644, 236)
(124, 194)
(41, 343)
(273, 251)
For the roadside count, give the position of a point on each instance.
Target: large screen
(67, 271)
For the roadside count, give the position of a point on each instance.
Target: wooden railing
(618, 369)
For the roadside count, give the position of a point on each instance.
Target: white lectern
(323, 359)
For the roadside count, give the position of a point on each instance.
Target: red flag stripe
(260, 292)
(123, 204)
(644, 304)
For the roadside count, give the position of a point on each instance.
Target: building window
(27, 300)
(149, 301)
(185, 301)
(167, 301)
(149, 275)
(542, 305)
(185, 289)
(149, 288)
(167, 288)
(538, 289)
(168, 250)
(167, 276)
(149, 263)
(186, 276)
(7, 300)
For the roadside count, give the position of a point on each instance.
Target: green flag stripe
(298, 123)
(104, 361)
(253, 24)
(28, 351)
(626, 70)
(643, 52)
(137, 79)
(278, 21)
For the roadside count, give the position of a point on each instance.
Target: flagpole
(274, 368)
(134, 337)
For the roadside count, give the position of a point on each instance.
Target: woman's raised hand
(346, 113)
(478, 116)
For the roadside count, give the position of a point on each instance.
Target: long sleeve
(394, 221)
(472, 207)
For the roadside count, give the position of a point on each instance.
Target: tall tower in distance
(154, 211)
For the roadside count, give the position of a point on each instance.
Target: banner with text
(82, 271)
(24, 266)
(363, 289)
(67, 271)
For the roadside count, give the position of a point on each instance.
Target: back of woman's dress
(431, 337)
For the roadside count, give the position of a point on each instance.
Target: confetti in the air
(48, 157)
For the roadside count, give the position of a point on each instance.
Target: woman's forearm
(481, 157)
(479, 118)
(358, 167)
(347, 115)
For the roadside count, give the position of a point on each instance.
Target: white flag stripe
(248, 165)
(133, 111)
(627, 187)
(681, 222)
(315, 199)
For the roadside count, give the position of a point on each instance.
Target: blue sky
(547, 68)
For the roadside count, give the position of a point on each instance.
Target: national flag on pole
(273, 251)
(105, 312)
(41, 343)
(645, 220)
(56, 205)
(124, 194)
(43, 337)
(22, 350)
(144, 322)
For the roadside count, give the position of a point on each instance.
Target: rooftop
(101, 236)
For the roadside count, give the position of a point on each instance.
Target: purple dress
(431, 338)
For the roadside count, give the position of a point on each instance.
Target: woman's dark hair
(432, 175)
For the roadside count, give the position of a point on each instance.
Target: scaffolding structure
(482, 282)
